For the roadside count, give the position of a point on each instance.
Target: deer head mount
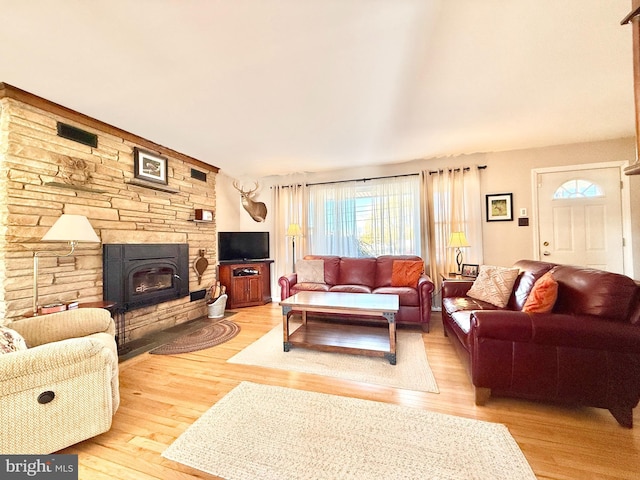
(257, 210)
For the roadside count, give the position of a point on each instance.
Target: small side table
(106, 305)
(453, 277)
(116, 313)
(111, 306)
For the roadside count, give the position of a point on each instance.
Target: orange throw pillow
(406, 273)
(543, 295)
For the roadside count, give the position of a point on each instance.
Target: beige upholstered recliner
(64, 388)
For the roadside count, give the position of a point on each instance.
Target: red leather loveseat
(586, 351)
(369, 275)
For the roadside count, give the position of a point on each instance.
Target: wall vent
(198, 295)
(198, 175)
(77, 135)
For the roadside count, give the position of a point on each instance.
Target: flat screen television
(243, 246)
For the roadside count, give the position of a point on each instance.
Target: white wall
(505, 242)
(227, 204)
(506, 172)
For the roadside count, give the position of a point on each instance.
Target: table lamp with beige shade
(294, 230)
(68, 228)
(458, 240)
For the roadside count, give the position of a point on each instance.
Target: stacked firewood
(215, 291)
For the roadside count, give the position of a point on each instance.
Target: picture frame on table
(469, 270)
(499, 207)
(149, 166)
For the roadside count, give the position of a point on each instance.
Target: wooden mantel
(634, 18)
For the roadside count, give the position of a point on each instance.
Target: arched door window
(578, 189)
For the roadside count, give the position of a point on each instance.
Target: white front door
(580, 218)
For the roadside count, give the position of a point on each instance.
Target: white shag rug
(411, 372)
(266, 432)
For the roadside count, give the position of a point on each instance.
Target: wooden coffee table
(362, 339)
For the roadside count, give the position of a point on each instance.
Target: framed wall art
(149, 166)
(500, 207)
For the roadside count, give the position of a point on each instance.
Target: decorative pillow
(494, 284)
(543, 295)
(310, 271)
(406, 273)
(11, 341)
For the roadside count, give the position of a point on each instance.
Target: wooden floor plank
(161, 395)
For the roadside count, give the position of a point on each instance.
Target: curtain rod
(362, 179)
(465, 169)
(480, 167)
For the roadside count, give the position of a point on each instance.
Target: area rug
(208, 336)
(412, 371)
(267, 432)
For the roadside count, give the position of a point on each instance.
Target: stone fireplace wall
(43, 175)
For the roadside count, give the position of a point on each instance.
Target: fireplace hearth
(140, 275)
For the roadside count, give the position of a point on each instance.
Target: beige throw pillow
(310, 271)
(494, 285)
(11, 341)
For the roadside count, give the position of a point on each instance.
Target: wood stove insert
(139, 275)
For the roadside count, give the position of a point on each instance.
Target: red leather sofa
(585, 352)
(368, 275)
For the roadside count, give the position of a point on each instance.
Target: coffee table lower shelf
(334, 337)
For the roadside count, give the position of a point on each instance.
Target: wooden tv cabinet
(248, 283)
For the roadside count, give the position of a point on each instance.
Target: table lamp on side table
(294, 231)
(458, 240)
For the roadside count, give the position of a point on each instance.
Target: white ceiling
(263, 87)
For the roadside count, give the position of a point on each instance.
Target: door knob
(546, 253)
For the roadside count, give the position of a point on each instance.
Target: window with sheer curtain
(452, 203)
(365, 218)
(288, 201)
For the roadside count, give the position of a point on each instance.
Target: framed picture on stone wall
(149, 166)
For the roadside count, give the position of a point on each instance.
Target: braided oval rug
(205, 337)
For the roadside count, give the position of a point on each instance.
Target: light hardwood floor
(162, 395)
